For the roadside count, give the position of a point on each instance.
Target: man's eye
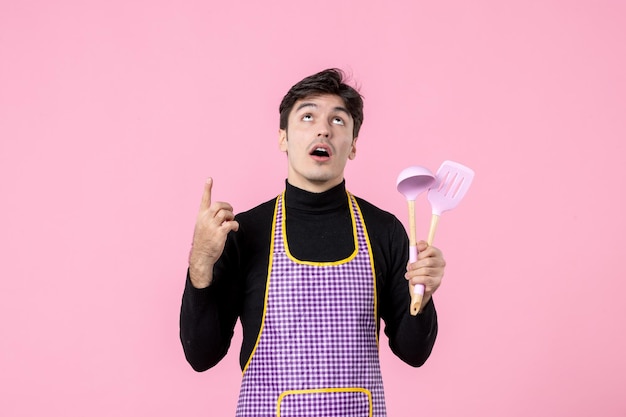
(307, 117)
(338, 121)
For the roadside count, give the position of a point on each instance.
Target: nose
(323, 131)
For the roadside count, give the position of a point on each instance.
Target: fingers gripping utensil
(453, 181)
(411, 182)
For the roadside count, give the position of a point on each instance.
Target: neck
(306, 200)
(314, 186)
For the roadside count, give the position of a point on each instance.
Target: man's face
(318, 142)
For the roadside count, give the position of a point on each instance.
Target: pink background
(112, 114)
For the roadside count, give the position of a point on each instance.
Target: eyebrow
(338, 108)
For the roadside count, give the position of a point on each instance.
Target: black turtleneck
(319, 228)
(316, 224)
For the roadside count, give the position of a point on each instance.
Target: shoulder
(375, 215)
(263, 209)
(383, 227)
(389, 243)
(258, 218)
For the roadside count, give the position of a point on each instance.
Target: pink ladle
(411, 182)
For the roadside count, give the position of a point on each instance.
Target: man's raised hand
(214, 222)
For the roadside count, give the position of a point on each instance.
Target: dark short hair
(329, 81)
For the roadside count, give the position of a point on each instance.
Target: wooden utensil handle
(434, 221)
(412, 238)
(416, 299)
(415, 291)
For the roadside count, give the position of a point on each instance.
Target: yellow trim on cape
(333, 263)
(352, 256)
(371, 256)
(367, 393)
(267, 288)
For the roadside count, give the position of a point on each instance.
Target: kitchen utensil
(411, 182)
(453, 181)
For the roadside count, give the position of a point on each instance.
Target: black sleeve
(208, 315)
(205, 338)
(411, 338)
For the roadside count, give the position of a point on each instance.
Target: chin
(320, 178)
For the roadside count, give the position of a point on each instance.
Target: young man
(309, 273)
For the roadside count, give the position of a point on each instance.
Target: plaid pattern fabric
(317, 354)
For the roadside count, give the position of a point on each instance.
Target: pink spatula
(411, 182)
(452, 182)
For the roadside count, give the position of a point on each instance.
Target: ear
(282, 139)
(352, 154)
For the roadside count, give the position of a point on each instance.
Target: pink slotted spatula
(452, 182)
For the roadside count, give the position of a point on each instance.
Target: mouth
(320, 151)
